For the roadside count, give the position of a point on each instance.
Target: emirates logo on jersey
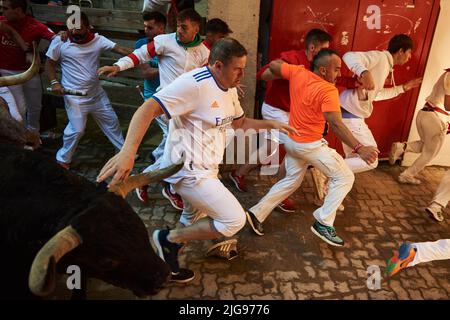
(215, 105)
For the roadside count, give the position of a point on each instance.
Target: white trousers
(432, 131)
(208, 196)
(362, 133)
(271, 113)
(430, 251)
(103, 114)
(163, 123)
(24, 100)
(442, 195)
(298, 157)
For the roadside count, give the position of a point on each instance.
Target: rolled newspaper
(71, 92)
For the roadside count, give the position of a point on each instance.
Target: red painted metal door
(346, 21)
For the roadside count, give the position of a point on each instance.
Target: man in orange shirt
(314, 101)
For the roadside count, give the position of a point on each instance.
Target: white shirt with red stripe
(201, 116)
(173, 59)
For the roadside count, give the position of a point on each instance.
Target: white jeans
(24, 100)
(430, 251)
(442, 195)
(298, 157)
(362, 133)
(163, 123)
(271, 113)
(432, 131)
(208, 196)
(103, 114)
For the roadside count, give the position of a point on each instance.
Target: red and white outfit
(79, 64)
(432, 127)
(24, 100)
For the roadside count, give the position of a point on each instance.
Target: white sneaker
(435, 210)
(408, 179)
(397, 151)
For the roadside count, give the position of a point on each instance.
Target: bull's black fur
(38, 198)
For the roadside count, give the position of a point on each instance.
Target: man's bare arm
(245, 123)
(124, 51)
(148, 72)
(121, 164)
(368, 153)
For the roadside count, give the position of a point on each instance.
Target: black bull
(39, 199)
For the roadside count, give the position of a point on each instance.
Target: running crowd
(192, 85)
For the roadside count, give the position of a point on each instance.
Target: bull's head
(109, 242)
(25, 76)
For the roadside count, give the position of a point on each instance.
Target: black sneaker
(327, 234)
(168, 251)
(254, 223)
(182, 276)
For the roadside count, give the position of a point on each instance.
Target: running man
(432, 124)
(314, 101)
(203, 105)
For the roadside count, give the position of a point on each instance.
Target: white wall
(438, 60)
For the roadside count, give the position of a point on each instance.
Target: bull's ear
(41, 280)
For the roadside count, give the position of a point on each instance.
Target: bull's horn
(121, 189)
(41, 280)
(24, 76)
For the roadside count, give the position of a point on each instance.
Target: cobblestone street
(289, 262)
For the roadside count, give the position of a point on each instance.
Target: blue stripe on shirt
(162, 107)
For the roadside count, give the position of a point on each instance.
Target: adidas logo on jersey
(215, 105)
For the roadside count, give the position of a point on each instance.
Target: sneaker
(397, 151)
(174, 198)
(327, 234)
(401, 259)
(320, 183)
(435, 210)
(142, 193)
(182, 276)
(64, 165)
(239, 181)
(168, 252)
(226, 249)
(287, 205)
(254, 223)
(408, 180)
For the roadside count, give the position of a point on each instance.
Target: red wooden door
(391, 119)
(346, 21)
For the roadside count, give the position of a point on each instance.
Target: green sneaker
(327, 234)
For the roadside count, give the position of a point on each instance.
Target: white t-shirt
(79, 62)
(380, 64)
(173, 59)
(202, 114)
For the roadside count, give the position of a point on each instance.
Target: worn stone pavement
(289, 262)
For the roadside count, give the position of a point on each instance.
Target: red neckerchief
(89, 37)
